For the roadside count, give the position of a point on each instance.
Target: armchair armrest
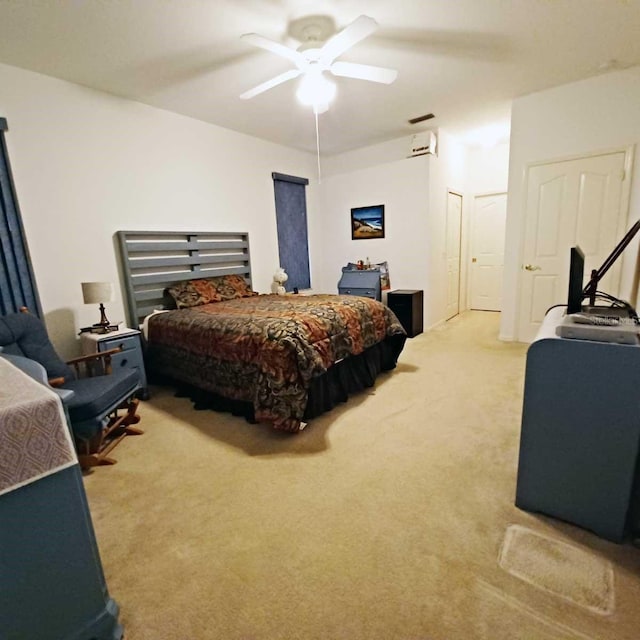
(36, 371)
(94, 356)
(102, 357)
(32, 368)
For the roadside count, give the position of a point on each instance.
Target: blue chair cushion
(94, 396)
(22, 334)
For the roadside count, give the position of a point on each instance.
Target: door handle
(532, 267)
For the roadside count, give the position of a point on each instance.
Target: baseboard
(436, 325)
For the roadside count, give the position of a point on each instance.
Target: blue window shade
(17, 284)
(291, 220)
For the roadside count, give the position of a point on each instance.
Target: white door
(575, 202)
(454, 221)
(487, 251)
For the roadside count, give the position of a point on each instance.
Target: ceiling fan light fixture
(320, 107)
(318, 52)
(316, 91)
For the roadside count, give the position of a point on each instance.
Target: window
(17, 284)
(291, 220)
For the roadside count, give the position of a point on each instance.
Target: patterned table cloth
(34, 437)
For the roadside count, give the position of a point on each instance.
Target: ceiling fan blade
(363, 72)
(275, 47)
(269, 84)
(359, 29)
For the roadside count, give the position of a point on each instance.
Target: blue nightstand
(130, 356)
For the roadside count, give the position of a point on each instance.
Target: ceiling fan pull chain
(318, 146)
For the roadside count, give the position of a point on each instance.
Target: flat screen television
(576, 276)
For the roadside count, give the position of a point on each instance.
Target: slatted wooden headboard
(151, 261)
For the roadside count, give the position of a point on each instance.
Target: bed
(280, 360)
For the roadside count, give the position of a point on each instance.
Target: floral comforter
(266, 349)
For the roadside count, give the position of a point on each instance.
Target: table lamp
(98, 292)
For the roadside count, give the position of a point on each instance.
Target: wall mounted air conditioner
(423, 143)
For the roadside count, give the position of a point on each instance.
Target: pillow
(193, 293)
(230, 287)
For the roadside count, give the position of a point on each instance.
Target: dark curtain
(291, 220)
(17, 284)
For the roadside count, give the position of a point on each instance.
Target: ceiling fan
(313, 58)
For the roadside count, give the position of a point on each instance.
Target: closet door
(581, 201)
(487, 251)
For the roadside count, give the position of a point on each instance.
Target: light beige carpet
(384, 519)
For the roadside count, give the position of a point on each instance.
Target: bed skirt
(343, 379)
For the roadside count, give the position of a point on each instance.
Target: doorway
(487, 251)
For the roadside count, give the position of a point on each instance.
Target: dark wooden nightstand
(407, 304)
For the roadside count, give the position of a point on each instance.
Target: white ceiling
(463, 60)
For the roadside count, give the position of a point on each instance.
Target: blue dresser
(580, 432)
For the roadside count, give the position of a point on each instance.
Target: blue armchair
(101, 405)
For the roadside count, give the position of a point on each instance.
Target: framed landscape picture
(367, 222)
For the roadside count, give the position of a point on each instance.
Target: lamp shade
(96, 292)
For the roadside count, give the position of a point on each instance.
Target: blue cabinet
(580, 432)
(130, 356)
(51, 578)
(364, 283)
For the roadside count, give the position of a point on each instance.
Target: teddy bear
(279, 278)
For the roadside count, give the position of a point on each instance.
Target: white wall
(488, 169)
(449, 173)
(87, 164)
(598, 114)
(371, 156)
(402, 186)
(414, 192)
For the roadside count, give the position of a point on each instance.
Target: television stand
(580, 431)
